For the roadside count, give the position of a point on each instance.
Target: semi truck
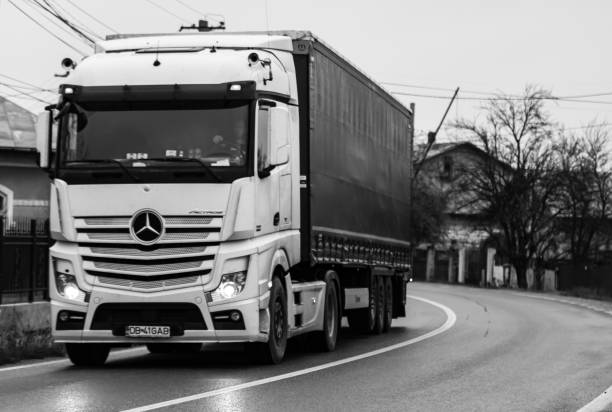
(237, 187)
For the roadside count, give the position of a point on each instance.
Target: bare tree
(585, 192)
(427, 214)
(514, 184)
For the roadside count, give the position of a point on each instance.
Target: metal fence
(24, 254)
(596, 276)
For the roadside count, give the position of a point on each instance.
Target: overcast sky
(478, 45)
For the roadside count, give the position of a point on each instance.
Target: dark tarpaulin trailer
(355, 161)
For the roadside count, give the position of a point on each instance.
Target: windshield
(142, 142)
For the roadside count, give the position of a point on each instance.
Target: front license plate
(147, 331)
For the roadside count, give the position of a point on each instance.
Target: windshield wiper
(187, 159)
(108, 161)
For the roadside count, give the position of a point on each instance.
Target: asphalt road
(505, 352)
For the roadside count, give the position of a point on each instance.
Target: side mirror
(279, 136)
(43, 138)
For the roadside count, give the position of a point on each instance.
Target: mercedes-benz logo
(147, 227)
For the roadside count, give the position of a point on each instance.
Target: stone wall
(25, 332)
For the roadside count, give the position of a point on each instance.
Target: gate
(24, 254)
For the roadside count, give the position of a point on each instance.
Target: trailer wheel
(380, 305)
(87, 354)
(364, 320)
(326, 339)
(388, 317)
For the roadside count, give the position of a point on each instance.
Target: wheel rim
(381, 303)
(331, 315)
(373, 307)
(279, 319)
(389, 302)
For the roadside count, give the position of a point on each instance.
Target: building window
(6, 203)
(446, 172)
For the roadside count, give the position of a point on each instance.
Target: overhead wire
(49, 9)
(33, 89)
(59, 9)
(55, 23)
(496, 95)
(551, 98)
(47, 30)
(30, 95)
(85, 12)
(190, 8)
(167, 11)
(21, 81)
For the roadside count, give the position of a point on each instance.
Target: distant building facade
(24, 187)
(462, 255)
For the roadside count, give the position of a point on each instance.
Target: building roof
(17, 126)
(441, 148)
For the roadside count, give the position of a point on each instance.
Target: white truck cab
(176, 203)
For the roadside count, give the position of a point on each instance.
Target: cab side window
(263, 138)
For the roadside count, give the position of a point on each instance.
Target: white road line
(602, 403)
(451, 318)
(565, 301)
(58, 361)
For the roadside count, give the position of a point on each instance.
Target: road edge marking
(64, 360)
(451, 318)
(566, 302)
(602, 403)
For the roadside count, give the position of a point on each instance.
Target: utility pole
(431, 136)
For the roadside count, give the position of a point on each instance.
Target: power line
(61, 27)
(167, 11)
(30, 95)
(49, 9)
(92, 16)
(589, 126)
(414, 86)
(551, 98)
(78, 23)
(190, 8)
(21, 81)
(47, 30)
(34, 89)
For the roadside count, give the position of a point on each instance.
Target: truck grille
(163, 252)
(148, 285)
(130, 267)
(184, 256)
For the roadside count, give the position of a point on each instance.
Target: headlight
(231, 285)
(65, 281)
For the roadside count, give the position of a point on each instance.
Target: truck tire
(326, 339)
(388, 316)
(159, 348)
(364, 320)
(273, 351)
(87, 354)
(379, 298)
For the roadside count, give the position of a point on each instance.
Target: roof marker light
(235, 87)
(68, 90)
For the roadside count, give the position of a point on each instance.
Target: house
(467, 252)
(463, 254)
(24, 187)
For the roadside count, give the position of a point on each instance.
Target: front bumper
(249, 308)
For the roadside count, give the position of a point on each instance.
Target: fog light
(63, 316)
(235, 316)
